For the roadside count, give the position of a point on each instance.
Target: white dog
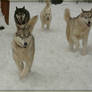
(46, 15)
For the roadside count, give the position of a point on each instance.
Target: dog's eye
(17, 34)
(27, 35)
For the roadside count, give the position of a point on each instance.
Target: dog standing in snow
(78, 29)
(46, 15)
(23, 48)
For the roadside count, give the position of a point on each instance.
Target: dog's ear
(82, 10)
(32, 23)
(91, 9)
(16, 8)
(23, 7)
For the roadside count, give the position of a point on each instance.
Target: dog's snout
(25, 44)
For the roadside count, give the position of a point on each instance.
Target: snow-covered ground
(54, 67)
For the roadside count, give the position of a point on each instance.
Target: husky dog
(78, 29)
(23, 48)
(22, 17)
(46, 15)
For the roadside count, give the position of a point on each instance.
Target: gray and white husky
(22, 17)
(23, 48)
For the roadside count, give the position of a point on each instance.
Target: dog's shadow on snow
(90, 50)
(47, 30)
(34, 76)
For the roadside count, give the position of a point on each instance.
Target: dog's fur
(23, 48)
(46, 15)
(78, 29)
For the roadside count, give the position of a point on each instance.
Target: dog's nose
(25, 44)
(89, 22)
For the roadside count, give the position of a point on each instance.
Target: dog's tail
(67, 15)
(32, 23)
(47, 2)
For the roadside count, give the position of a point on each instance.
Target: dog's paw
(22, 75)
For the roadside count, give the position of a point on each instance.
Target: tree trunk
(5, 9)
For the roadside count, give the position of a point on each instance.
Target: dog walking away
(78, 29)
(22, 17)
(46, 15)
(23, 48)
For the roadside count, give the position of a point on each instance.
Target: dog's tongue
(88, 24)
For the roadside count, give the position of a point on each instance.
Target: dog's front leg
(48, 26)
(42, 25)
(84, 43)
(25, 71)
(76, 42)
(19, 64)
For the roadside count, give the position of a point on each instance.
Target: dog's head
(47, 14)
(24, 37)
(87, 16)
(21, 16)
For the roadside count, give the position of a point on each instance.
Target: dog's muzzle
(89, 23)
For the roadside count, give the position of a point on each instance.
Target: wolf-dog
(78, 29)
(22, 17)
(23, 48)
(46, 15)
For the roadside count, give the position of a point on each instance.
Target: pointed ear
(91, 9)
(82, 10)
(23, 7)
(16, 8)
(32, 23)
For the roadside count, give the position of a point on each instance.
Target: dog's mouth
(89, 24)
(48, 18)
(25, 46)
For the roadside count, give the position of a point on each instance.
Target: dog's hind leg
(84, 43)
(71, 46)
(76, 42)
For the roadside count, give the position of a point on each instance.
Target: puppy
(23, 48)
(78, 29)
(46, 15)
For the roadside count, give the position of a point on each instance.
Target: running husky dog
(23, 48)
(78, 29)
(22, 17)
(46, 15)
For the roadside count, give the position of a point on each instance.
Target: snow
(54, 67)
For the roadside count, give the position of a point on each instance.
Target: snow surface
(54, 67)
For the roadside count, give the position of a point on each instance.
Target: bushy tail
(47, 2)
(32, 23)
(67, 15)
